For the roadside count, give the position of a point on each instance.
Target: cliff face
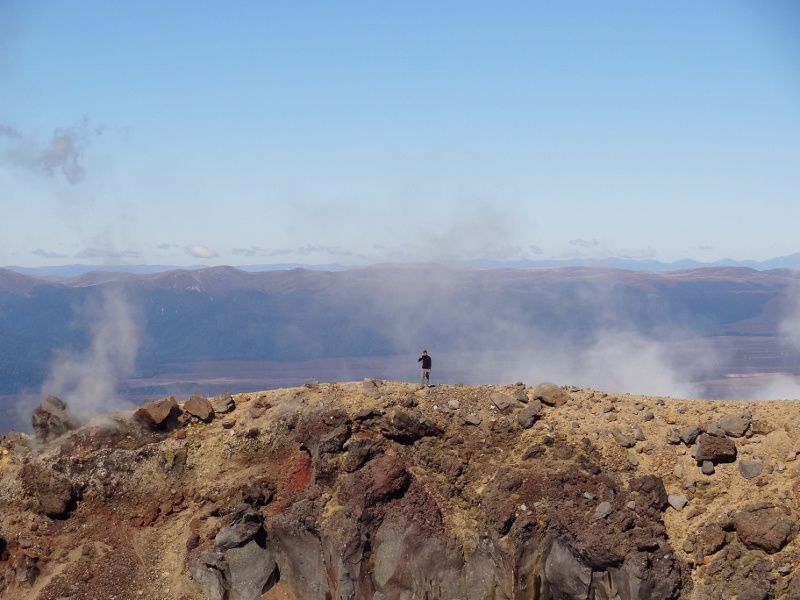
(380, 490)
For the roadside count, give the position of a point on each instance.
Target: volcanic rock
(55, 495)
(651, 489)
(252, 570)
(734, 425)
(715, 449)
(550, 394)
(688, 435)
(502, 401)
(521, 396)
(763, 527)
(222, 404)
(623, 439)
(200, 407)
(677, 501)
(472, 419)
(603, 510)
(159, 414)
(750, 468)
(408, 426)
(238, 528)
(528, 415)
(51, 419)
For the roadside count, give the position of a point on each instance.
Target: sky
(363, 132)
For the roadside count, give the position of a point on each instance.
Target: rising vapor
(89, 380)
(62, 156)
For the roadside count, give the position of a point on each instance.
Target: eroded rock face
(55, 495)
(346, 500)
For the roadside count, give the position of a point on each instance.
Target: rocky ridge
(384, 491)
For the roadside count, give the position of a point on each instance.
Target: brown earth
(383, 490)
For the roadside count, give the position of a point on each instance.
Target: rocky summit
(381, 490)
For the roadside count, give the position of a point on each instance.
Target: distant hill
(791, 261)
(226, 314)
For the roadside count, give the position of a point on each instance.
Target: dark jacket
(426, 361)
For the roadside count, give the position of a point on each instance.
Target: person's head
(424, 352)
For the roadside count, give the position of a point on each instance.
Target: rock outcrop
(382, 490)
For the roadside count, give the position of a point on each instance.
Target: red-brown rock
(716, 449)
(763, 527)
(158, 414)
(200, 407)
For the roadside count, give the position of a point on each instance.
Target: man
(426, 368)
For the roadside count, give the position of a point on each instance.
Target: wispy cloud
(167, 246)
(106, 254)
(10, 132)
(637, 253)
(61, 156)
(581, 243)
(307, 250)
(200, 251)
(40, 252)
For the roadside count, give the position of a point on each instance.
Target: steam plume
(62, 155)
(89, 380)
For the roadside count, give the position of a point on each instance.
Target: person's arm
(419, 359)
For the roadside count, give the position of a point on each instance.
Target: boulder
(759, 427)
(159, 414)
(750, 468)
(566, 575)
(359, 451)
(651, 489)
(716, 449)
(689, 434)
(472, 419)
(714, 429)
(407, 426)
(528, 415)
(333, 442)
(521, 396)
(710, 539)
(550, 394)
(763, 527)
(677, 501)
(55, 495)
(208, 572)
(238, 528)
(222, 404)
(252, 570)
(603, 510)
(503, 402)
(199, 407)
(623, 439)
(372, 387)
(734, 425)
(51, 419)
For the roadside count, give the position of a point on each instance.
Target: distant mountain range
(791, 261)
(212, 315)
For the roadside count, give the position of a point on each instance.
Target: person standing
(425, 359)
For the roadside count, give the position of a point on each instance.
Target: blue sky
(358, 132)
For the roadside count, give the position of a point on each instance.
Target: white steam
(89, 380)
